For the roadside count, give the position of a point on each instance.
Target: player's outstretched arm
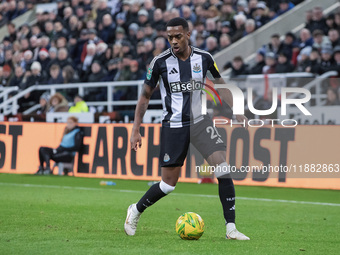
(142, 106)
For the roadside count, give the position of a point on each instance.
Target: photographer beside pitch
(183, 123)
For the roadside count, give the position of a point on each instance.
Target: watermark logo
(238, 100)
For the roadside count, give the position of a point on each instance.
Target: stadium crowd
(111, 40)
(316, 49)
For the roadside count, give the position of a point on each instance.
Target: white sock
(135, 210)
(230, 227)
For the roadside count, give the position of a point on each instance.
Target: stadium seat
(64, 167)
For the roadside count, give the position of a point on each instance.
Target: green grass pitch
(68, 215)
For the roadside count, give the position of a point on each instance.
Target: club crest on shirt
(148, 75)
(166, 157)
(196, 68)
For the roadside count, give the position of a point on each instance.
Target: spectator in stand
(288, 45)
(333, 35)
(6, 76)
(318, 21)
(44, 60)
(120, 35)
(124, 72)
(270, 66)
(136, 73)
(242, 6)
(225, 28)
(32, 77)
(284, 6)
(1, 75)
(275, 45)
(158, 19)
(330, 21)
(332, 97)
(35, 77)
(112, 68)
(212, 46)
(44, 103)
(260, 15)
(225, 41)
(260, 63)
(69, 75)
(59, 31)
(78, 48)
(52, 52)
(58, 103)
(211, 28)
(12, 11)
(283, 63)
(97, 72)
(117, 50)
(27, 61)
(79, 105)
(250, 27)
(227, 12)
(160, 44)
(63, 59)
(315, 60)
(92, 39)
(337, 19)
(240, 21)
(56, 76)
(143, 18)
(17, 78)
(85, 70)
(132, 35)
(9, 58)
(188, 14)
(308, 18)
(336, 55)
(12, 32)
(327, 62)
(45, 42)
(303, 59)
(107, 31)
(149, 7)
(319, 39)
(49, 30)
(100, 53)
(306, 38)
(237, 67)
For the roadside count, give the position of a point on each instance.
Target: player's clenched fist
(136, 141)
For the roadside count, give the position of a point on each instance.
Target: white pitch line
(176, 194)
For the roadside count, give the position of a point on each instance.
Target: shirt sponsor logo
(189, 86)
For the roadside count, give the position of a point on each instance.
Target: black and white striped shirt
(180, 84)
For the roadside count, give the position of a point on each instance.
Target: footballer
(183, 123)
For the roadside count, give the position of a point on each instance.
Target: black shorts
(175, 142)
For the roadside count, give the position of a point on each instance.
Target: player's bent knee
(166, 188)
(222, 170)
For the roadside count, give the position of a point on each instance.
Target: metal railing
(316, 84)
(313, 84)
(10, 105)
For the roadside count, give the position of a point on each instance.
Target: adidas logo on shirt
(173, 71)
